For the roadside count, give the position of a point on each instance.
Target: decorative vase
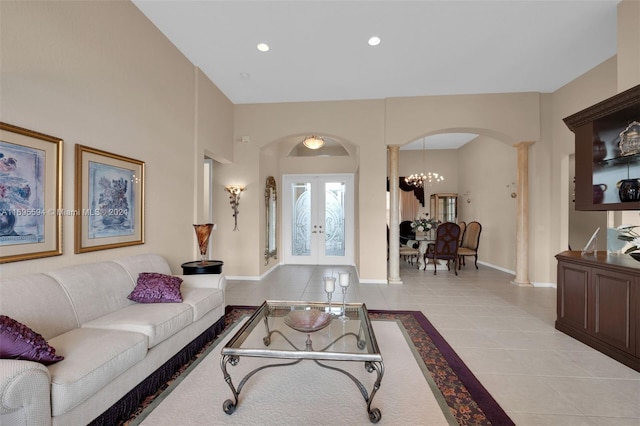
(629, 190)
(598, 193)
(599, 150)
(203, 232)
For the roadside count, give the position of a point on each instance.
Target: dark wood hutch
(598, 297)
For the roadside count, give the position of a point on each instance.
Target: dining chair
(406, 232)
(409, 253)
(408, 245)
(445, 246)
(463, 227)
(470, 243)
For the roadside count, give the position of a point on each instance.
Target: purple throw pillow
(17, 341)
(152, 287)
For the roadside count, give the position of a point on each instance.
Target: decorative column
(394, 217)
(522, 216)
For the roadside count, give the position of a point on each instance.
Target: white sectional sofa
(111, 346)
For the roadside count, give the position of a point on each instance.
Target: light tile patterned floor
(504, 333)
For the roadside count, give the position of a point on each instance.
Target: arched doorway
(317, 199)
(482, 172)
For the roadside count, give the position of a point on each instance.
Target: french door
(318, 219)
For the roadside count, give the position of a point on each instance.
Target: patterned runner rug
(425, 382)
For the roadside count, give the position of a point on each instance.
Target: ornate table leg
(374, 413)
(267, 339)
(229, 406)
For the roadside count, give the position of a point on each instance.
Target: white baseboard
(551, 285)
(372, 281)
(499, 268)
(243, 277)
(508, 271)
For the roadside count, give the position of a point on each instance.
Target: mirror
(270, 199)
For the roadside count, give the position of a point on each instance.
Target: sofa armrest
(25, 393)
(204, 281)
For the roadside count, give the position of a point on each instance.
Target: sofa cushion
(147, 262)
(93, 358)
(17, 341)
(202, 300)
(95, 289)
(38, 301)
(157, 321)
(152, 287)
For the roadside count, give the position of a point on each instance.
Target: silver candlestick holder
(329, 288)
(344, 283)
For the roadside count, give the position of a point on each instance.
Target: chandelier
(420, 180)
(313, 142)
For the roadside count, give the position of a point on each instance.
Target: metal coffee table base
(229, 406)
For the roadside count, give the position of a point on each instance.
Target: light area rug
(304, 393)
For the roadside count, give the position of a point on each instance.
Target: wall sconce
(468, 195)
(511, 190)
(234, 200)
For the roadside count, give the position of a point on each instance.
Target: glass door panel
(301, 219)
(334, 218)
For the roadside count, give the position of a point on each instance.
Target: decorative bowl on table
(307, 321)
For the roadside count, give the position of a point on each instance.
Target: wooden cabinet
(602, 168)
(599, 303)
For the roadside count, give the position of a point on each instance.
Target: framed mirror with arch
(271, 208)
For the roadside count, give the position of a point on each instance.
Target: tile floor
(504, 333)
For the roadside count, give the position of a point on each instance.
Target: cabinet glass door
(607, 153)
(444, 207)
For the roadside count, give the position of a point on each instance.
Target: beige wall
(99, 74)
(214, 135)
(511, 117)
(487, 170)
(628, 44)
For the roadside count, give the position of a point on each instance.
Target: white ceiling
(319, 51)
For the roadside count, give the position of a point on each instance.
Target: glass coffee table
(299, 331)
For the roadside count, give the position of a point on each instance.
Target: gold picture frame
(109, 200)
(30, 194)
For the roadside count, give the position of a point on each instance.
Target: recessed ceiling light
(374, 41)
(263, 47)
(245, 75)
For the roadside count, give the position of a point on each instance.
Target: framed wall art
(30, 194)
(109, 200)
